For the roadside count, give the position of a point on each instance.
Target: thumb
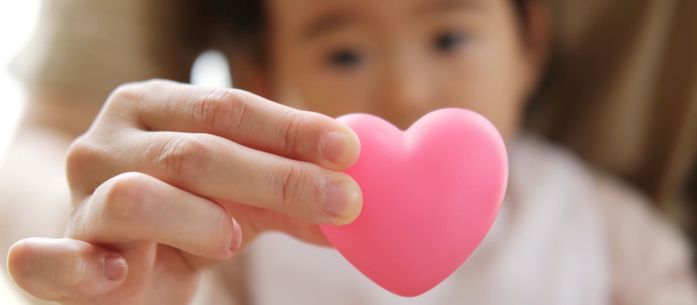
(65, 269)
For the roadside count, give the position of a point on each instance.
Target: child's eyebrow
(327, 23)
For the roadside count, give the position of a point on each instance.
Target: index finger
(242, 117)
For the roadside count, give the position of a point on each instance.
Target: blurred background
(17, 21)
(621, 91)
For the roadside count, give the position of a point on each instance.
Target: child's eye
(345, 58)
(449, 41)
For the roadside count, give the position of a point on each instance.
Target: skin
(399, 61)
(173, 178)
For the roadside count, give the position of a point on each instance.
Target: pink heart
(430, 194)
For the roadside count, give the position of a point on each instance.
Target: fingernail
(236, 237)
(343, 200)
(336, 147)
(115, 267)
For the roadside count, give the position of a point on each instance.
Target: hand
(158, 178)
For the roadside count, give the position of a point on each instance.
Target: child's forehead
(315, 16)
(307, 9)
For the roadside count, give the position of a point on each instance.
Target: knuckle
(301, 133)
(122, 197)
(81, 156)
(290, 185)
(79, 153)
(75, 274)
(220, 111)
(292, 131)
(185, 156)
(133, 92)
(219, 240)
(125, 93)
(156, 82)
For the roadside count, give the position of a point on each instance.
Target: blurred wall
(622, 92)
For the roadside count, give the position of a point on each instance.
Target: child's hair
(244, 21)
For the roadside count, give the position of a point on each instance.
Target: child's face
(399, 59)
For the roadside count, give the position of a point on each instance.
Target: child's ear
(537, 39)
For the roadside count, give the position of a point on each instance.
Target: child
(566, 234)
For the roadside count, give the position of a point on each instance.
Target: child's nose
(406, 90)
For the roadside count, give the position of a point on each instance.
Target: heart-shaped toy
(430, 195)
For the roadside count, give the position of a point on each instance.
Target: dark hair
(245, 22)
(520, 7)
